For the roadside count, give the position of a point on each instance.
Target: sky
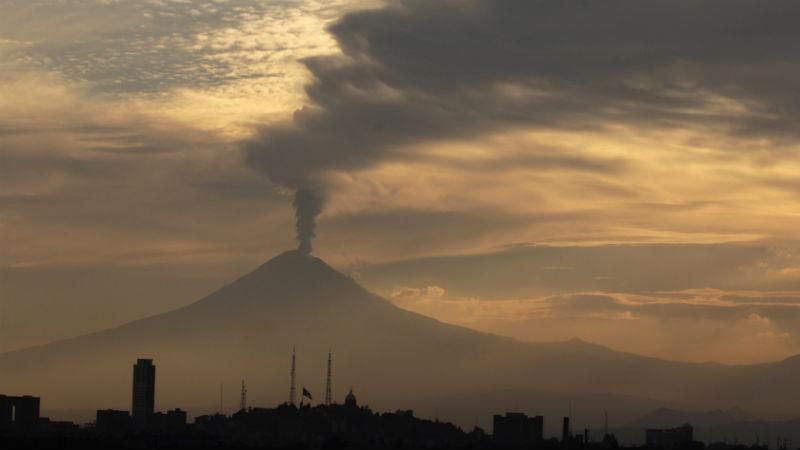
(545, 170)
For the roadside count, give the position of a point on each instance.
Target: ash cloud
(418, 71)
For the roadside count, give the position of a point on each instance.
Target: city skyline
(510, 430)
(20, 416)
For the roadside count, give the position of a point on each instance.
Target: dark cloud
(417, 71)
(401, 232)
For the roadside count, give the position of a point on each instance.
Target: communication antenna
(243, 398)
(606, 424)
(328, 388)
(293, 386)
(220, 398)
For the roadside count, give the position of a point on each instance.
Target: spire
(243, 398)
(328, 389)
(293, 386)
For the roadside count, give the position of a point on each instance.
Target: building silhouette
(170, 421)
(672, 438)
(19, 412)
(517, 430)
(350, 400)
(330, 425)
(144, 392)
(110, 421)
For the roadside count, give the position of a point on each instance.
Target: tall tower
(293, 385)
(328, 389)
(243, 398)
(144, 391)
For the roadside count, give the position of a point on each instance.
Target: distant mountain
(391, 357)
(733, 426)
(668, 418)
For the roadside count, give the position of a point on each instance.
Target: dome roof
(350, 399)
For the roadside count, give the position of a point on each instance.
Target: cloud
(687, 326)
(527, 271)
(157, 46)
(416, 71)
(600, 294)
(118, 123)
(78, 172)
(428, 292)
(412, 73)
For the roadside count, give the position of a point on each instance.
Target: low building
(517, 430)
(112, 421)
(672, 438)
(19, 412)
(173, 420)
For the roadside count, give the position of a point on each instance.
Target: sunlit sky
(149, 150)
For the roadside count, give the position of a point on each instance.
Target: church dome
(350, 399)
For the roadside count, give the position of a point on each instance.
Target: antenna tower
(243, 398)
(293, 385)
(328, 388)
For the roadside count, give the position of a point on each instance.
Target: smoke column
(307, 206)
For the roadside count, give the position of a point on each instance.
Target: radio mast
(293, 385)
(328, 388)
(243, 398)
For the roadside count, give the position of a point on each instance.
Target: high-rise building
(144, 391)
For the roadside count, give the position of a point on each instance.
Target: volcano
(391, 357)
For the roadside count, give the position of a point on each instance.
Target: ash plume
(423, 71)
(307, 206)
